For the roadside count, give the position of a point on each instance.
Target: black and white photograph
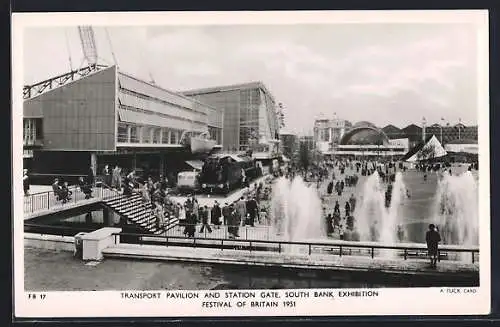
(251, 164)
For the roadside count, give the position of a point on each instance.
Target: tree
(280, 114)
(304, 159)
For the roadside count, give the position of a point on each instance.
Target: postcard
(213, 164)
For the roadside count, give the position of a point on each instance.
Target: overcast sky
(383, 73)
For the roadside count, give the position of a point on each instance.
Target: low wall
(49, 242)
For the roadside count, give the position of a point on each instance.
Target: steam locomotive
(222, 173)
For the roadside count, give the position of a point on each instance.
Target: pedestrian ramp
(140, 213)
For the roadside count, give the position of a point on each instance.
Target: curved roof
(365, 134)
(363, 123)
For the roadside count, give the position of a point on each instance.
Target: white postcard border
(406, 301)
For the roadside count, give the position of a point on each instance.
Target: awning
(196, 164)
(285, 159)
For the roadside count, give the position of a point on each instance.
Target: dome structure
(364, 134)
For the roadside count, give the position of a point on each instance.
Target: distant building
(366, 140)
(308, 140)
(250, 120)
(463, 145)
(393, 132)
(328, 133)
(448, 133)
(289, 144)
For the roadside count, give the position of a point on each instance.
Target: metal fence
(46, 200)
(339, 248)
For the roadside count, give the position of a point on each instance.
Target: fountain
(456, 209)
(378, 217)
(296, 211)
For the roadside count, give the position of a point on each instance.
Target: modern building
(447, 133)
(366, 140)
(73, 122)
(250, 120)
(289, 144)
(328, 133)
(462, 146)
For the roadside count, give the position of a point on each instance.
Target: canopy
(196, 164)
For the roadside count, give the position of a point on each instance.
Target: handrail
(46, 200)
(340, 244)
(333, 243)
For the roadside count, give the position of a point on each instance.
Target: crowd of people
(247, 211)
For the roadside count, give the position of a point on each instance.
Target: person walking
(215, 215)
(347, 209)
(26, 182)
(159, 215)
(352, 202)
(115, 177)
(226, 213)
(329, 188)
(204, 220)
(432, 239)
(241, 209)
(106, 172)
(336, 209)
(251, 209)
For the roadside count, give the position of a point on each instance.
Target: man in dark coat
(204, 219)
(329, 188)
(226, 213)
(215, 215)
(432, 239)
(251, 208)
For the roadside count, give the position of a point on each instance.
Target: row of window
(130, 133)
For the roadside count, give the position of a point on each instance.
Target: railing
(312, 247)
(221, 231)
(47, 200)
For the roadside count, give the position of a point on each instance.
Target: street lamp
(441, 127)
(459, 126)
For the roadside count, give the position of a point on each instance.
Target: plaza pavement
(49, 270)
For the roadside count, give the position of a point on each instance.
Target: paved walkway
(49, 270)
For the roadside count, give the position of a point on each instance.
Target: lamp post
(459, 126)
(441, 127)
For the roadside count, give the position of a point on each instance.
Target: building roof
(391, 129)
(225, 88)
(412, 126)
(176, 94)
(462, 141)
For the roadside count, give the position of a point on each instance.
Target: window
(29, 131)
(156, 135)
(122, 132)
(134, 134)
(165, 137)
(146, 135)
(173, 137)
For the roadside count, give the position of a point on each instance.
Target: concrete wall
(49, 242)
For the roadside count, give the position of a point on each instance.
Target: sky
(383, 73)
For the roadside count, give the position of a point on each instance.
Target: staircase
(139, 213)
